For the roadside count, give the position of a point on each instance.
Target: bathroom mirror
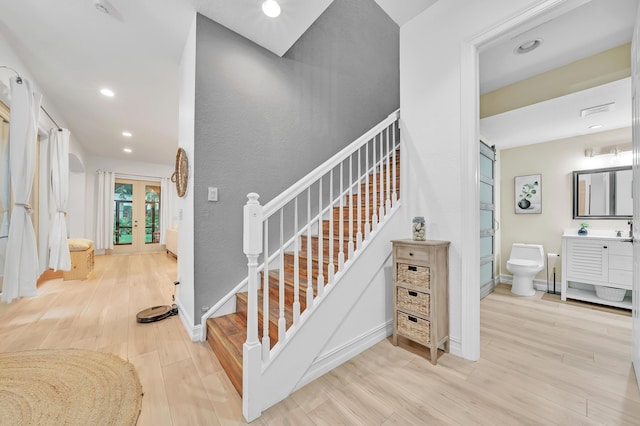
(603, 193)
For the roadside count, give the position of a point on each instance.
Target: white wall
(184, 205)
(433, 141)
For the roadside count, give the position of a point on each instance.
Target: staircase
(300, 270)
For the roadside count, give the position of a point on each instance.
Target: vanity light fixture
(271, 8)
(528, 46)
(127, 150)
(614, 150)
(127, 134)
(107, 92)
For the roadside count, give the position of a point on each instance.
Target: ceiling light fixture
(101, 7)
(595, 126)
(127, 150)
(271, 8)
(127, 134)
(528, 46)
(107, 92)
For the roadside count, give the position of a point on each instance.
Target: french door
(136, 227)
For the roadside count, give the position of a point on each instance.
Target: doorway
(136, 218)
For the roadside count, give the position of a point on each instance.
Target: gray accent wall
(262, 122)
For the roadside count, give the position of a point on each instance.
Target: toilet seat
(522, 262)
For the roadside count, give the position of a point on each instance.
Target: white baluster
(374, 217)
(350, 183)
(341, 222)
(282, 321)
(320, 242)
(359, 232)
(266, 341)
(388, 175)
(296, 266)
(251, 351)
(331, 270)
(394, 197)
(367, 225)
(309, 253)
(381, 177)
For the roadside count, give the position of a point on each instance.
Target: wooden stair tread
(227, 334)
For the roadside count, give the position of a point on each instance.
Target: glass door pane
(487, 219)
(123, 217)
(152, 214)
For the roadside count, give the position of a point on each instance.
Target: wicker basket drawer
(415, 276)
(414, 328)
(411, 254)
(412, 301)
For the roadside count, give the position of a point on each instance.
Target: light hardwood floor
(542, 362)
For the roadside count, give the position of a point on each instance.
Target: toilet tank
(533, 252)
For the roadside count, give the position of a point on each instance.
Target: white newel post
(251, 352)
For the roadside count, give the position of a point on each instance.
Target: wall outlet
(212, 194)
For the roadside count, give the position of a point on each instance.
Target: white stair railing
(314, 195)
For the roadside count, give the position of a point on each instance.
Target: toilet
(525, 262)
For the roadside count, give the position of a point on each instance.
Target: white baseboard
(194, 331)
(455, 348)
(332, 359)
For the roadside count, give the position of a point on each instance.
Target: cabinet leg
(394, 339)
(446, 346)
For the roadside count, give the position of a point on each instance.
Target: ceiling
(590, 28)
(72, 50)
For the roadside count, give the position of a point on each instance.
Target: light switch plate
(212, 194)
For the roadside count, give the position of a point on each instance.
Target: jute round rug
(68, 387)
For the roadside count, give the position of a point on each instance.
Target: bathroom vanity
(596, 268)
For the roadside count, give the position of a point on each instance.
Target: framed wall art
(528, 194)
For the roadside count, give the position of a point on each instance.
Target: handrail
(296, 189)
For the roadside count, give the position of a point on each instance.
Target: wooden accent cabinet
(421, 293)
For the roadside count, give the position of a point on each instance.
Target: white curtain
(5, 192)
(165, 208)
(104, 222)
(21, 263)
(59, 257)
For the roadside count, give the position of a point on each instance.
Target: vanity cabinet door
(588, 261)
(621, 264)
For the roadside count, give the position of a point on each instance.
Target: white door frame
(635, 87)
(470, 135)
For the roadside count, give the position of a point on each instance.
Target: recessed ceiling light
(127, 150)
(595, 126)
(127, 134)
(271, 8)
(528, 46)
(107, 92)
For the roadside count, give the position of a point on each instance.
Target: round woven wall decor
(181, 173)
